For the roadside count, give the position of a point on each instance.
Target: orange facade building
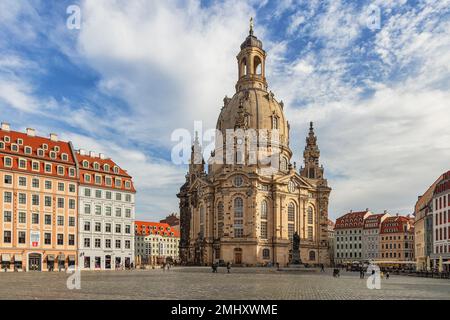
(397, 239)
(38, 201)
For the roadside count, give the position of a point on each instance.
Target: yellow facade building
(38, 202)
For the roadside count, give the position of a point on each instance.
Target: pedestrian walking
(322, 268)
(228, 267)
(387, 275)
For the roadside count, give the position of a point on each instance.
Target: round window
(238, 181)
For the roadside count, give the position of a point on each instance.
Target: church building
(240, 212)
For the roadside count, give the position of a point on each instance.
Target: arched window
(238, 217)
(291, 219)
(202, 221)
(274, 122)
(312, 255)
(243, 67)
(238, 207)
(312, 173)
(284, 164)
(263, 226)
(264, 209)
(257, 66)
(291, 212)
(310, 215)
(220, 219)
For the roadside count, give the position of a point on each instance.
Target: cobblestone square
(201, 283)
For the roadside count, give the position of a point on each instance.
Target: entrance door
(34, 262)
(238, 256)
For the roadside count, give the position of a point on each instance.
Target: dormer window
(85, 163)
(118, 183)
(48, 168)
(106, 168)
(64, 157)
(61, 170)
(7, 139)
(127, 184)
(96, 166)
(45, 146)
(20, 142)
(40, 152)
(8, 162)
(35, 166)
(52, 154)
(22, 164)
(2, 145)
(14, 147)
(28, 150)
(116, 169)
(56, 148)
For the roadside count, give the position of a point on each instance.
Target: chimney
(82, 152)
(92, 154)
(54, 137)
(367, 209)
(5, 126)
(385, 211)
(102, 156)
(31, 132)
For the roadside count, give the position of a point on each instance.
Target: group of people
(215, 267)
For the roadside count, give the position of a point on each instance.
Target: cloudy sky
(138, 69)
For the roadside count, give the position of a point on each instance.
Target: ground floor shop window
(71, 262)
(118, 262)
(50, 264)
(108, 262)
(61, 262)
(87, 262)
(18, 265)
(98, 262)
(127, 263)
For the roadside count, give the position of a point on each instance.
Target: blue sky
(136, 70)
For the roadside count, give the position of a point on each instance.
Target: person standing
(228, 267)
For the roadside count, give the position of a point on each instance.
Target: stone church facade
(239, 212)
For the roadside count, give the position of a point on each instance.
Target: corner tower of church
(237, 213)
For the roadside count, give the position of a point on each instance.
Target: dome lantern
(251, 63)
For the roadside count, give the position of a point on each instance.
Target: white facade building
(441, 224)
(348, 232)
(106, 214)
(371, 236)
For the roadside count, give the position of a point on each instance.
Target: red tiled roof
(122, 174)
(351, 220)
(444, 184)
(48, 146)
(394, 225)
(373, 221)
(147, 228)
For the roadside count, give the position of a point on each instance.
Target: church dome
(254, 109)
(253, 106)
